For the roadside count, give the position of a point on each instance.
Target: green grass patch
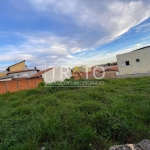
(75, 118)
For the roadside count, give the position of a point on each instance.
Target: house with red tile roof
(112, 68)
(19, 70)
(54, 74)
(40, 73)
(98, 71)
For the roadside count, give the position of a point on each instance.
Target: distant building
(98, 71)
(83, 68)
(54, 74)
(19, 70)
(137, 61)
(6, 78)
(2, 74)
(112, 69)
(23, 73)
(18, 66)
(105, 68)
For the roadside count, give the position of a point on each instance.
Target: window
(125, 63)
(25, 75)
(138, 60)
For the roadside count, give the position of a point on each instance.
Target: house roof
(84, 73)
(21, 71)
(5, 77)
(134, 50)
(111, 68)
(40, 73)
(142, 48)
(16, 63)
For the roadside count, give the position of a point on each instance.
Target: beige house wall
(2, 74)
(17, 67)
(143, 66)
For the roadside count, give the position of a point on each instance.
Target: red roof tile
(40, 73)
(113, 68)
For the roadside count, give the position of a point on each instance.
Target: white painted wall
(25, 74)
(55, 74)
(143, 66)
(7, 79)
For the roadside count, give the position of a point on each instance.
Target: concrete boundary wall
(133, 75)
(19, 84)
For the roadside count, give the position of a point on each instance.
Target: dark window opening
(137, 60)
(127, 63)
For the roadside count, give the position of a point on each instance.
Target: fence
(19, 84)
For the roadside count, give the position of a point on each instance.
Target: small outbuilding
(135, 62)
(54, 74)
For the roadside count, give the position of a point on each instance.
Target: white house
(135, 62)
(54, 74)
(23, 73)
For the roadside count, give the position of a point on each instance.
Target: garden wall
(19, 84)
